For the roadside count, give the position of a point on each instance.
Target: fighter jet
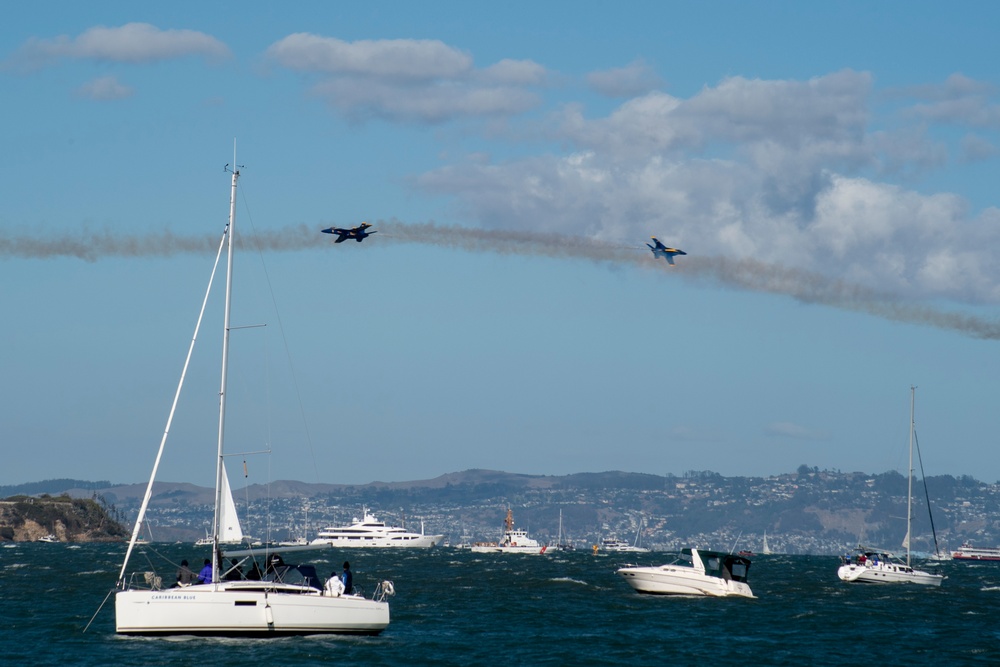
(358, 233)
(660, 250)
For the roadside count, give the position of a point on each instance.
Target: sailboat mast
(225, 373)
(909, 481)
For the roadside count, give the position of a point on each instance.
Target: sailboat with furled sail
(877, 566)
(281, 600)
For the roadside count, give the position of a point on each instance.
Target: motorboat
(878, 566)
(50, 539)
(370, 532)
(234, 597)
(696, 572)
(514, 541)
(613, 544)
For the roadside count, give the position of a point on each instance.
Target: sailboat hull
(887, 573)
(237, 610)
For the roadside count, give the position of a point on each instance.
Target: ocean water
(457, 608)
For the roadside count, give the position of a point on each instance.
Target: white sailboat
(764, 548)
(879, 566)
(231, 531)
(284, 600)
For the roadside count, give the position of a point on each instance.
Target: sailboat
(232, 531)
(283, 600)
(560, 544)
(879, 566)
(764, 548)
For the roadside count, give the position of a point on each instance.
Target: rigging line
(284, 338)
(173, 408)
(87, 627)
(927, 494)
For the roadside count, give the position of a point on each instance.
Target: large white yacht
(514, 541)
(710, 573)
(370, 532)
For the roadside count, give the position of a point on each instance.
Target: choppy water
(459, 608)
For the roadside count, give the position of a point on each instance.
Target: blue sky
(830, 171)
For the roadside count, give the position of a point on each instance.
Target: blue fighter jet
(358, 233)
(660, 250)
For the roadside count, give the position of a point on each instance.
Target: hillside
(26, 519)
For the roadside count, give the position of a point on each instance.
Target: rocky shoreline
(28, 519)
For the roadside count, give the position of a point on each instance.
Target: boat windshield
(294, 574)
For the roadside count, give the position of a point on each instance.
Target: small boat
(969, 552)
(230, 601)
(696, 572)
(560, 544)
(514, 541)
(877, 566)
(614, 544)
(370, 532)
(50, 538)
(764, 548)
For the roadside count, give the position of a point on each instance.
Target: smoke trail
(746, 274)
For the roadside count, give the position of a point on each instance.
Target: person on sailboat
(234, 573)
(185, 577)
(334, 586)
(205, 576)
(347, 578)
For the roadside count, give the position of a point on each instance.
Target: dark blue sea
(457, 608)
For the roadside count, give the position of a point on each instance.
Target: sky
(830, 171)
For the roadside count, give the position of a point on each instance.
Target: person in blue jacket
(205, 576)
(347, 578)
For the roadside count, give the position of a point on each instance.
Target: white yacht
(709, 573)
(969, 552)
(237, 599)
(370, 532)
(877, 566)
(514, 541)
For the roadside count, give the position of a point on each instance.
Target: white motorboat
(50, 538)
(697, 572)
(514, 541)
(877, 566)
(613, 544)
(370, 532)
(282, 600)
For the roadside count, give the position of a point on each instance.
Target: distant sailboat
(878, 566)
(230, 530)
(764, 548)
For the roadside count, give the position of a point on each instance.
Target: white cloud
(105, 88)
(959, 100)
(400, 59)
(130, 43)
(778, 171)
(405, 80)
(636, 78)
(976, 148)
